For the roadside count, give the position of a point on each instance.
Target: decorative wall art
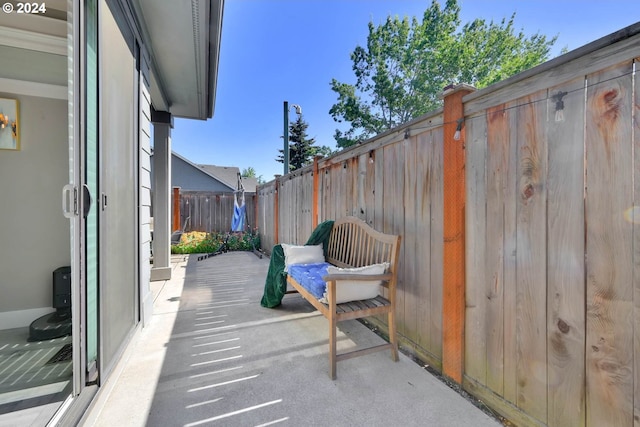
(9, 129)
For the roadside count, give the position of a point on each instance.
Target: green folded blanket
(275, 285)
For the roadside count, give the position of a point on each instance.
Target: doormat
(63, 355)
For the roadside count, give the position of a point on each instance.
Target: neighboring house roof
(189, 176)
(229, 176)
(226, 175)
(250, 184)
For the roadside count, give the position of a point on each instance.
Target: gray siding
(145, 194)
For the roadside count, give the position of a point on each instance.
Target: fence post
(316, 193)
(255, 210)
(176, 209)
(453, 286)
(276, 209)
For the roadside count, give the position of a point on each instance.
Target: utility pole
(285, 151)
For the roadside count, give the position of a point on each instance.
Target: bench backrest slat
(353, 243)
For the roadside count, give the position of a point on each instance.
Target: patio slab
(213, 356)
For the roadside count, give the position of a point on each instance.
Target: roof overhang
(183, 42)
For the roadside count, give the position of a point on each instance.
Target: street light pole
(285, 151)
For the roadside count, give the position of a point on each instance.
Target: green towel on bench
(276, 284)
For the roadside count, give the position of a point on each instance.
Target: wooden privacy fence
(267, 213)
(518, 274)
(395, 184)
(553, 285)
(289, 200)
(210, 211)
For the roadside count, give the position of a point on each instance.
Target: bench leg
(333, 325)
(393, 339)
(332, 347)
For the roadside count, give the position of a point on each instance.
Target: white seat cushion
(355, 290)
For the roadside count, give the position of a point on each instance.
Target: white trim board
(42, 90)
(22, 39)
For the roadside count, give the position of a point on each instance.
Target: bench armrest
(363, 277)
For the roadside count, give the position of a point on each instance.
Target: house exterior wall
(145, 192)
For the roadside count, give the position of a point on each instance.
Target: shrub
(197, 242)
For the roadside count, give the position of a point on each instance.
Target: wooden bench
(353, 243)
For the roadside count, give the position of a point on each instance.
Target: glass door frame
(78, 80)
(91, 179)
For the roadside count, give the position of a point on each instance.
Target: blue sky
(289, 50)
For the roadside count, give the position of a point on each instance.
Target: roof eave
(184, 61)
(215, 37)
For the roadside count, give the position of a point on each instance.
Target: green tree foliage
(406, 64)
(322, 150)
(250, 172)
(301, 147)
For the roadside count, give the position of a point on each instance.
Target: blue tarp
(239, 215)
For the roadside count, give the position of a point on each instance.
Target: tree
(406, 64)
(323, 151)
(301, 147)
(250, 172)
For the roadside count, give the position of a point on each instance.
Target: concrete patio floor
(212, 355)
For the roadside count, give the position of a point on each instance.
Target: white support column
(162, 125)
